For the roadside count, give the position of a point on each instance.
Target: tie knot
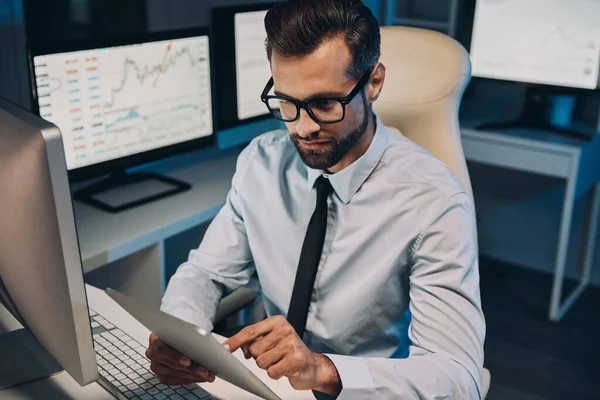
(324, 187)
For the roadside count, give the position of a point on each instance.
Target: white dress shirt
(396, 302)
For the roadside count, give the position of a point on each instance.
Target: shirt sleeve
(221, 264)
(447, 329)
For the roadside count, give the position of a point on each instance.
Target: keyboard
(125, 370)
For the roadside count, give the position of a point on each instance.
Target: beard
(335, 150)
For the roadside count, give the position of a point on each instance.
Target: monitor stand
(122, 191)
(539, 104)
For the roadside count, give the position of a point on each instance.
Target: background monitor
(241, 66)
(549, 42)
(123, 102)
(40, 264)
(549, 47)
(126, 101)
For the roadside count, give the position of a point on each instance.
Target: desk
(63, 387)
(540, 152)
(132, 242)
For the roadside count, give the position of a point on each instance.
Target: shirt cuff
(357, 382)
(189, 315)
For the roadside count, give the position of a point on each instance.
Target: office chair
(234, 302)
(427, 74)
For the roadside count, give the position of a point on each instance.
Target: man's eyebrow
(314, 96)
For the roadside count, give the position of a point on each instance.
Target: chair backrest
(427, 73)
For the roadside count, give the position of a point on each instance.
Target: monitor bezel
(123, 163)
(222, 28)
(464, 36)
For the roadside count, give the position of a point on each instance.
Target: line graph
(162, 66)
(133, 114)
(130, 116)
(561, 37)
(548, 42)
(143, 73)
(117, 101)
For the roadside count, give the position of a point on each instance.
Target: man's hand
(171, 368)
(276, 347)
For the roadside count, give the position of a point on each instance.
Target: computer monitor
(552, 46)
(41, 278)
(40, 264)
(241, 66)
(122, 102)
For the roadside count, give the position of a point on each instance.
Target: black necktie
(309, 259)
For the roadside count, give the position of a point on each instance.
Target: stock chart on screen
(118, 101)
(552, 42)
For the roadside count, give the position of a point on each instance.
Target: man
(363, 242)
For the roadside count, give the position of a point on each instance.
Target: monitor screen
(549, 42)
(242, 68)
(118, 101)
(252, 68)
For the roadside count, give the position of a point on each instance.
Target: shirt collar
(347, 182)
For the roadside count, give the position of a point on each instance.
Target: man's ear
(376, 82)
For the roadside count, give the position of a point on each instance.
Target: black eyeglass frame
(304, 104)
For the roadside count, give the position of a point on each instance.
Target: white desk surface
(105, 237)
(536, 151)
(63, 387)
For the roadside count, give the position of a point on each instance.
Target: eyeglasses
(325, 110)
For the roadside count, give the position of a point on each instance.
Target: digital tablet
(196, 344)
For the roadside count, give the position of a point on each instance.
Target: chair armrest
(486, 381)
(233, 302)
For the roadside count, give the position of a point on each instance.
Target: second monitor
(549, 47)
(242, 66)
(124, 102)
(550, 42)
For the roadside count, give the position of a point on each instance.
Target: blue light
(11, 11)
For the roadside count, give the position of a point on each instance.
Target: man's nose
(305, 125)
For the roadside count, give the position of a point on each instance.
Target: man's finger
(160, 349)
(152, 355)
(164, 370)
(152, 339)
(193, 369)
(270, 358)
(278, 370)
(263, 344)
(252, 332)
(246, 352)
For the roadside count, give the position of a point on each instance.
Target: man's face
(321, 74)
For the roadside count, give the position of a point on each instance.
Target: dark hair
(298, 27)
